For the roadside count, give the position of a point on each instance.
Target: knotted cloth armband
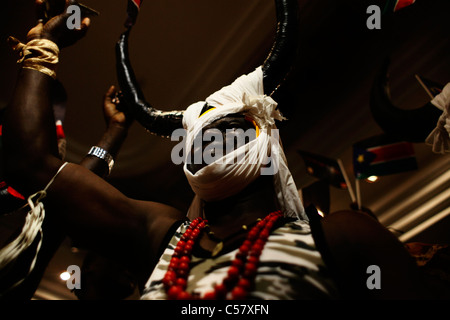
(30, 230)
(39, 54)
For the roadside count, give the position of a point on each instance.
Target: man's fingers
(40, 10)
(85, 23)
(84, 27)
(39, 27)
(111, 93)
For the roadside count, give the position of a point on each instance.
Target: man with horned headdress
(246, 236)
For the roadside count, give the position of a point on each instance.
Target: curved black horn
(155, 121)
(275, 69)
(284, 50)
(408, 125)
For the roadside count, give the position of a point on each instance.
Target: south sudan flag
(323, 168)
(382, 155)
(396, 5)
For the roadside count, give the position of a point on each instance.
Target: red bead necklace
(241, 274)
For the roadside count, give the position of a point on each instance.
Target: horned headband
(275, 68)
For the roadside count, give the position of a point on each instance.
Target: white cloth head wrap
(225, 177)
(439, 138)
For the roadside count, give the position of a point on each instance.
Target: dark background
(183, 51)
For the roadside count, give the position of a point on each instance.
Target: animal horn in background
(155, 121)
(408, 125)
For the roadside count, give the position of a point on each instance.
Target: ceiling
(182, 51)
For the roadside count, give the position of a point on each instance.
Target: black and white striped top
(290, 267)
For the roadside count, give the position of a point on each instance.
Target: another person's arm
(117, 125)
(92, 211)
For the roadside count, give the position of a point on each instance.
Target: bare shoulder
(103, 219)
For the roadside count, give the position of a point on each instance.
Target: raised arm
(94, 213)
(117, 124)
(100, 159)
(29, 131)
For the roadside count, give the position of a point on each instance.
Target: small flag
(324, 168)
(382, 155)
(10, 199)
(431, 87)
(59, 130)
(133, 11)
(14, 193)
(317, 194)
(400, 4)
(396, 5)
(59, 102)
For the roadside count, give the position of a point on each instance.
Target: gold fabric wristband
(39, 54)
